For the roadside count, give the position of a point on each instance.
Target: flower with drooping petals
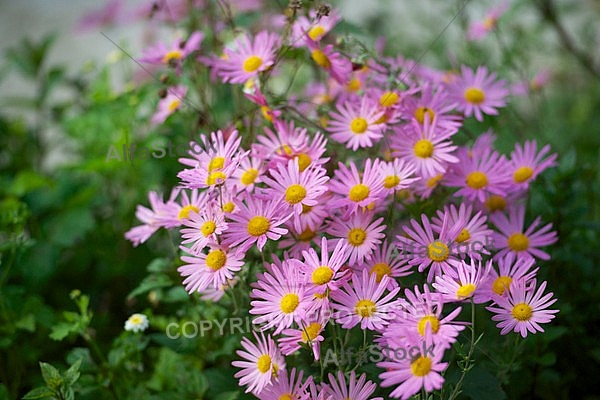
(526, 165)
(169, 104)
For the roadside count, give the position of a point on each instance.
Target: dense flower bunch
(322, 195)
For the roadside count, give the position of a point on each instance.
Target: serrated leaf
(72, 374)
(40, 393)
(51, 375)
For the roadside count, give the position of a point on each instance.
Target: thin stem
(467, 360)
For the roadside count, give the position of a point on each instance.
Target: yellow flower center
(522, 312)
(357, 236)
(522, 174)
(306, 209)
(489, 23)
(353, 85)
(438, 251)
(258, 225)
(216, 259)
(359, 192)
(322, 275)
(285, 149)
(465, 291)
(289, 303)
(421, 366)
(474, 95)
(311, 331)
(267, 113)
(216, 178)
(358, 125)
(228, 207)
(423, 148)
(501, 284)
(264, 363)
(316, 32)
(391, 181)
(174, 105)
(307, 235)
(380, 270)
(286, 396)
(304, 161)
(365, 308)
(172, 55)
(388, 99)
(463, 236)
(518, 242)
(434, 181)
(208, 228)
(420, 114)
(249, 176)
(295, 193)
(252, 63)
(321, 58)
(135, 319)
(185, 211)
(216, 163)
(495, 203)
(433, 322)
(477, 180)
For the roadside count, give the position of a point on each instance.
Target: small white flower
(136, 323)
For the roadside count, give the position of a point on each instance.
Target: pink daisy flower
(479, 29)
(325, 273)
(478, 93)
(477, 177)
(295, 188)
(362, 303)
(514, 238)
(385, 262)
(426, 147)
(312, 217)
(280, 145)
(262, 363)
(287, 387)
(338, 67)
(247, 57)
(175, 54)
(433, 103)
(353, 389)
(526, 165)
(524, 309)
(308, 334)
(423, 312)
(215, 152)
(511, 270)
(356, 124)
(169, 104)
(427, 250)
(474, 234)
(361, 233)
(203, 227)
(412, 374)
(470, 279)
(316, 27)
(152, 219)
(256, 221)
(249, 173)
(212, 269)
(281, 298)
(356, 190)
(396, 175)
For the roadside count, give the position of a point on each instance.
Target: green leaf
(51, 375)
(61, 331)
(40, 393)
(480, 384)
(72, 374)
(27, 323)
(71, 225)
(158, 265)
(151, 282)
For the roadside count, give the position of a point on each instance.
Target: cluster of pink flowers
(334, 234)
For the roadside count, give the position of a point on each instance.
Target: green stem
(467, 361)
